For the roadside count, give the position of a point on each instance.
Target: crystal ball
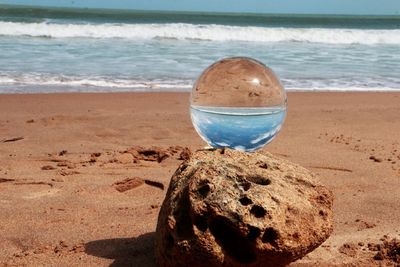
(238, 103)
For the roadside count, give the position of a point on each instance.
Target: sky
(348, 7)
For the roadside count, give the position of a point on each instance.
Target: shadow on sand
(138, 251)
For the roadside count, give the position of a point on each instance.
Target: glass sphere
(238, 103)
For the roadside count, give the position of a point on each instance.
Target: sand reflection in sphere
(238, 103)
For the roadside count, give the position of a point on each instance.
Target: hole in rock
(258, 211)
(201, 223)
(323, 214)
(204, 189)
(169, 241)
(263, 165)
(245, 201)
(232, 241)
(245, 185)
(253, 233)
(257, 179)
(243, 182)
(270, 236)
(184, 226)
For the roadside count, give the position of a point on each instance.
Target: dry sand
(64, 158)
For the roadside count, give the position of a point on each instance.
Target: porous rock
(231, 208)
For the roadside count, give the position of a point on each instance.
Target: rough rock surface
(230, 208)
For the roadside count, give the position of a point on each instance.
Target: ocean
(81, 50)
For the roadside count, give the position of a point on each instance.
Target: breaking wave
(183, 31)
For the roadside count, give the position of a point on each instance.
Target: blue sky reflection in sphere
(238, 103)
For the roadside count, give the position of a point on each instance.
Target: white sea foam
(183, 31)
(38, 82)
(89, 84)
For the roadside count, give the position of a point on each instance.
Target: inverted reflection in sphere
(238, 103)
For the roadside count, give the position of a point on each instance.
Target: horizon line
(232, 13)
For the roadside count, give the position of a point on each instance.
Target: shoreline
(393, 91)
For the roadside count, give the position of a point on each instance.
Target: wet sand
(75, 190)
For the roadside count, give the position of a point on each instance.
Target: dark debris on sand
(14, 139)
(158, 154)
(388, 250)
(128, 184)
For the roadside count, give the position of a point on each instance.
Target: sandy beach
(76, 190)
